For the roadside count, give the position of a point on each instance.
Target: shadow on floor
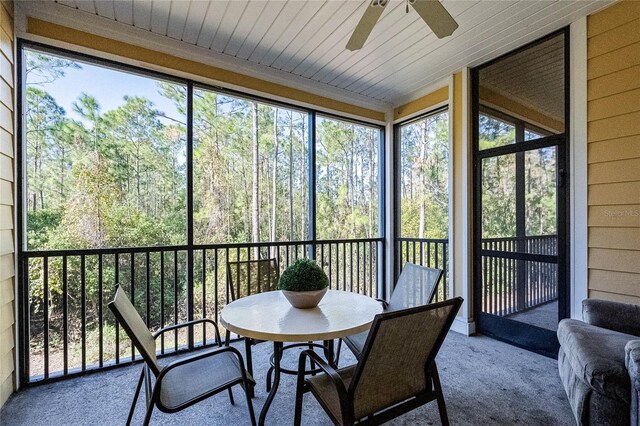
(485, 382)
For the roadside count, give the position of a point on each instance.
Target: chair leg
(297, 418)
(135, 397)
(147, 417)
(252, 415)
(231, 396)
(442, 407)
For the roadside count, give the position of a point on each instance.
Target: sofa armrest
(632, 362)
(616, 316)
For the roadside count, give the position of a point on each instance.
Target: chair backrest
(246, 277)
(416, 286)
(129, 318)
(398, 352)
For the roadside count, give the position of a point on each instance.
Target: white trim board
(578, 241)
(424, 91)
(423, 111)
(463, 326)
(467, 206)
(452, 191)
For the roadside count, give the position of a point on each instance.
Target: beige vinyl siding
(613, 94)
(7, 233)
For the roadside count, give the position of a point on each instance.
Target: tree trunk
(255, 216)
(274, 196)
(423, 150)
(290, 176)
(303, 183)
(371, 189)
(350, 188)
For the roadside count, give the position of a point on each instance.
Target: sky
(108, 86)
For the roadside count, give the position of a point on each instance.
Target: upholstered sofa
(599, 363)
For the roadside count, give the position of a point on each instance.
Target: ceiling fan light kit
(431, 11)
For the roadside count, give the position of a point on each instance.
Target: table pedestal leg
(277, 356)
(329, 353)
(247, 351)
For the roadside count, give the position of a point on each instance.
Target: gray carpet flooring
(545, 316)
(485, 382)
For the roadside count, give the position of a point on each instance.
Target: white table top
(269, 316)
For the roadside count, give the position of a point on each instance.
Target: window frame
(191, 84)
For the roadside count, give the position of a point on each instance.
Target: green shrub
(303, 275)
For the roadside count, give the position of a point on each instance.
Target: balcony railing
(68, 329)
(511, 285)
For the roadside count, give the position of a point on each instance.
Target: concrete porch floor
(485, 382)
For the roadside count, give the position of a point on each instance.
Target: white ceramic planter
(304, 299)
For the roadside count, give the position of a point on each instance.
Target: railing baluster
(491, 286)
(215, 287)
(344, 265)
(83, 283)
(45, 313)
(371, 277)
(204, 296)
(175, 297)
(162, 300)
(249, 274)
(133, 295)
(485, 307)
(502, 283)
(148, 288)
(445, 256)
(100, 314)
(413, 248)
(116, 267)
(65, 314)
(287, 254)
(351, 267)
(358, 267)
(330, 270)
(364, 268)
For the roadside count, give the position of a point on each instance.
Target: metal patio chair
(395, 374)
(416, 286)
(187, 380)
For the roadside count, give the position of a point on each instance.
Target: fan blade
(436, 16)
(365, 26)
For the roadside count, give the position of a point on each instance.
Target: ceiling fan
(431, 12)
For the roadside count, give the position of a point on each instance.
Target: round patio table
(269, 316)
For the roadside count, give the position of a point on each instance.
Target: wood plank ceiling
(534, 78)
(306, 38)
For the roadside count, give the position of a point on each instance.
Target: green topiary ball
(303, 275)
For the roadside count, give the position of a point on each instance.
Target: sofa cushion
(597, 356)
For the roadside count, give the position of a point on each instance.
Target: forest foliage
(117, 178)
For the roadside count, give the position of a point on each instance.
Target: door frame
(519, 334)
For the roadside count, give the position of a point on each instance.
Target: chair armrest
(616, 316)
(385, 304)
(198, 357)
(187, 324)
(329, 371)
